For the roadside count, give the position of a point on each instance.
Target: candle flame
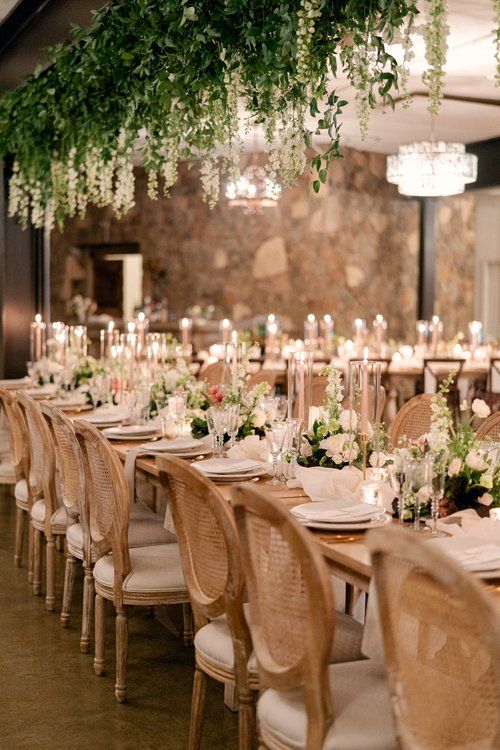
(311, 318)
(131, 327)
(435, 319)
(38, 318)
(365, 354)
(272, 328)
(234, 337)
(111, 325)
(379, 318)
(226, 323)
(185, 322)
(327, 318)
(141, 317)
(271, 318)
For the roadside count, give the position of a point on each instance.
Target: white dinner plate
(227, 466)
(373, 524)
(71, 405)
(461, 549)
(338, 512)
(244, 477)
(130, 432)
(43, 391)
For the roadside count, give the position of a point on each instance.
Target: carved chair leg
(187, 613)
(69, 579)
(88, 601)
(37, 562)
(20, 525)
(121, 654)
(50, 597)
(197, 708)
(100, 633)
(246, 721)
(31, 544)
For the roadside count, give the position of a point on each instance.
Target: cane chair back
(41, 479)
(17, 427)
(262, 376)
(70, 463)
(441, 643)
(107, 497)
(318, 390)
(210, 550)
(291, 607)
(490, 428)
(413, 420)
(213, 374)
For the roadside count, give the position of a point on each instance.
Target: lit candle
(290, 381)
(435, 328)
(379, 329)
(102, 343)
(364, 394)
(234, 365)
(272, 330)
(301, 385)
(155, 348)
(110, 331)
(422, 331)
(141, 325)
(327, 328)
(359, 326)
(185, 325)
(225, 328)
(475, 331)
(36, 338)
(310, 330)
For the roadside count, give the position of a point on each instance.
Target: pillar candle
(301, 386)
(364, 396)
(422, 331)
(379, 329)
(225, 328)
(310, 329)
(234, 362)
(359, 326)
(327, 329)
(475, 331)
(290, 381)
(435, 328)
(185, 325)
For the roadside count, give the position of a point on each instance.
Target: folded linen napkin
(108, 413)
(320, 483)
(330, 511)
(468, 522)
(226, 466)
(473, 553)
(175, 445)
(250, 447)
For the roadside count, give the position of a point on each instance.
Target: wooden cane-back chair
(441, 637)
(490, 428)
(292, 622)
(72, 477)
(262, 376)
(20, 457)
(413, 419)
(213, 374)
(211, 561)
(48, 515)
(143, 576)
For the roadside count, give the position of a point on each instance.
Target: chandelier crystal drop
(431, 168)
(253, 191)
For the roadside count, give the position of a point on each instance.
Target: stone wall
(352, 250)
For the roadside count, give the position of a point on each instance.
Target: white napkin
(468, 522)
(320, 483)
(470, 552)
(177, 445)
(108, 413)
(250, 447)
(342, 512)
(226, 466)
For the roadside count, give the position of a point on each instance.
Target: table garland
(181, 76)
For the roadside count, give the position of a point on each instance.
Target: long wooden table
(346, 554)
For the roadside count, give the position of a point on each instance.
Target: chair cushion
(21, 491)
(154, 569)
(361, 709)
(58, 517)
(145, 531)
(215, 644)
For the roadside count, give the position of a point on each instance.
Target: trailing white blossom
(435, 32)
(123, 198)
(210, 179)
(441, 419)
(309, 11)
(408, 55)
(72, 183)
(496, 32)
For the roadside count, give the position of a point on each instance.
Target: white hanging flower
(435, 33)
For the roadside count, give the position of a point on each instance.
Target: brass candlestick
(364, 441)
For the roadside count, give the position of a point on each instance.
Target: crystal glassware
(275, 437)
(162, 407)
(439, 466)
(281, 408)
(217, 423)
(177, 405)
(396, 476)
(233, 422)
(419, 485)
(294, 437)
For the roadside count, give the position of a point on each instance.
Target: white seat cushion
(58, 517)
(215, 644)
(361, 709)
(154, 569)
(147, 530)
(21, 491)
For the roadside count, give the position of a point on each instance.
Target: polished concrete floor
(50, 697)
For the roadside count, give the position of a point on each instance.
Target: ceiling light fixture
(254, 190)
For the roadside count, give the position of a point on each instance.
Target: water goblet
(177, 404)
(233, 422)
(281, 408)
(275, 437)
(216, 423)
(294, 437)
(269, 406)
(419, 483)
(396, 476)
(162, 407)
(439, 466)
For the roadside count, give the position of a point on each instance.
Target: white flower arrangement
(435, 33)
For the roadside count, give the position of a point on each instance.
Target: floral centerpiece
(253, 418)
(333, 441)
(175, 377)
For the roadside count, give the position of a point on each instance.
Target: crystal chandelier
(431, 168)
(254, 190)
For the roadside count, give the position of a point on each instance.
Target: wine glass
(439, 466)
(233, 422)
(216, 423)
(275, 437)
(177, 404)
(163, 409)
(396, 475)
(281, 408)
(294, 437)
(419, 482)
(269, 406)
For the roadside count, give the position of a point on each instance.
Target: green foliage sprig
(178, 76)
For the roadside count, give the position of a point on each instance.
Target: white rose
(345, 417)
(337, 458)
(377, 459)
(454, 467)
(333, 444)
(475, 461)
(259, 418)
(481, 408)
(486, 481)
(485, 499)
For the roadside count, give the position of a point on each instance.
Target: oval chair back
(412, 421)
(291, 606)
(441, 636)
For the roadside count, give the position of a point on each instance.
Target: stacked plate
(474, 553)
(131, 432)
(75, 403)
(340, 515)
(185, 447)
(42, 391)
(230, 469)
(107, 416)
